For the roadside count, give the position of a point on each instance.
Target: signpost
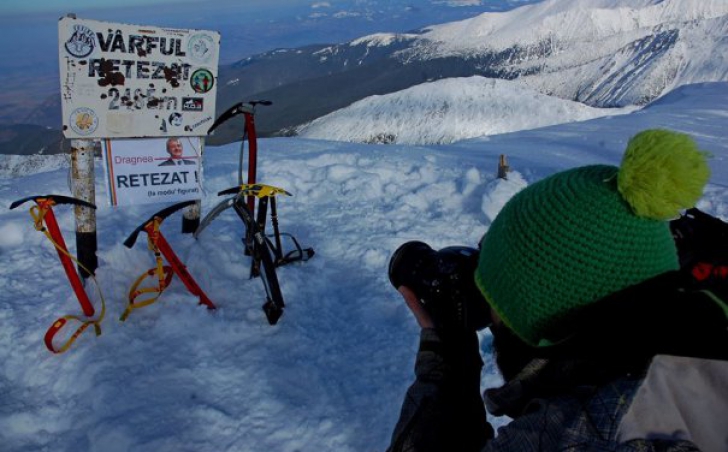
(131, 81)
(123, 81)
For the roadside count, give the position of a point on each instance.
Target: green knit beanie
(582, 234)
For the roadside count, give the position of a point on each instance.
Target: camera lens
(406, 264)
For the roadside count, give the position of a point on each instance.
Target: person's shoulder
(665, 403)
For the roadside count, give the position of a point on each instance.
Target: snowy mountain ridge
(606, 53)
(565, 21)
(382, 39)
(602, 53)
(449, 110)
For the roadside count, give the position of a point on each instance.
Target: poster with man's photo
(153, 170)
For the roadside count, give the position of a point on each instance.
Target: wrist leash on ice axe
(252, 189)
(164, 273)
(266, 255)
(45, 221)
(266, 195)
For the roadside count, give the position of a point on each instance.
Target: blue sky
(144, 7)
(53, 6)
(35, 6)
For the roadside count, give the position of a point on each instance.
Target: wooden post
(503, 168)
(83, 188)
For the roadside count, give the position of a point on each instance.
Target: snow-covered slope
(446, 111)
(22, 165)
(332, 374)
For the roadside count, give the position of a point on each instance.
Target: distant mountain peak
(383, 39)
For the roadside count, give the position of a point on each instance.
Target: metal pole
(191, 214)
(83, 188)
(191, 218)
(73, 278)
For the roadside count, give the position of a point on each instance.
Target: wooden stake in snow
(503, 168)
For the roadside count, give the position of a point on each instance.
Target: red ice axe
(160, 247)
(45, 221)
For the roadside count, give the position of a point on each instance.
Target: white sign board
(126, 81)
(153, 170)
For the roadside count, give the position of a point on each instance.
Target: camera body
(444, 280)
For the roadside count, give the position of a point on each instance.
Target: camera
(444, 280)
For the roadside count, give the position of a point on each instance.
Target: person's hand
(414, 305)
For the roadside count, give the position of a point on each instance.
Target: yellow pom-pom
(662, 172)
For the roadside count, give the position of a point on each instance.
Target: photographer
(603, 340)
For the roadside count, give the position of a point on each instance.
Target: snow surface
(332, 374)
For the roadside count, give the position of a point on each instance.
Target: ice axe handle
(239, 108)
(162, 214)
(57, 199)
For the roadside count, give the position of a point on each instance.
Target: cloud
(345, 14)
(458, 2)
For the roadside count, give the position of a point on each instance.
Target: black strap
(664, 315)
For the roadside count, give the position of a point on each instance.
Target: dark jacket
(595, 391)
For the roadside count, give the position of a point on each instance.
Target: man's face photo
(174, 147)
